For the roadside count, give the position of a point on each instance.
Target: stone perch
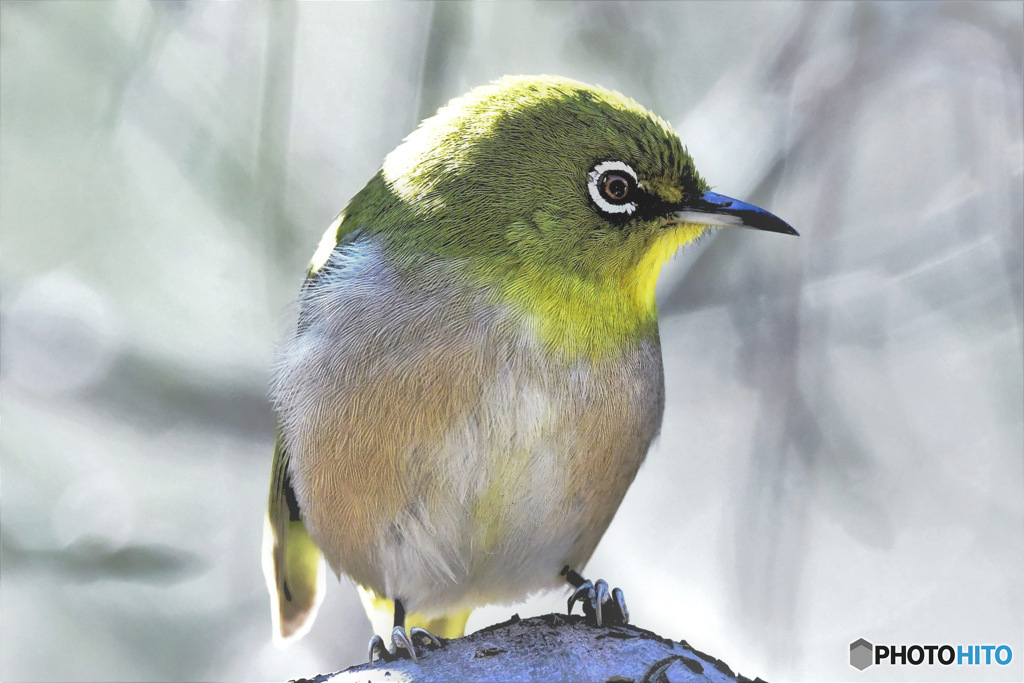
(549, 648)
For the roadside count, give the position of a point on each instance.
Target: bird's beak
(721, 211)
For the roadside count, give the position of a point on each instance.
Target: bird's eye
(613, 188)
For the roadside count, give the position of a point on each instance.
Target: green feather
(493, 183)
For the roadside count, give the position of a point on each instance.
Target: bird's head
(570, 197)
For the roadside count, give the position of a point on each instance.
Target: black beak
(719, 210)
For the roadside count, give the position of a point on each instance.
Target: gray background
(841, 455)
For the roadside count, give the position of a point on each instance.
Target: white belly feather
(503, 531)
(523, 483)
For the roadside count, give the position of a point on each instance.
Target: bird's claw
(425, 635)
(377, 648)
(400, 640)
(597, 602)
(584, 593)
(620, 602)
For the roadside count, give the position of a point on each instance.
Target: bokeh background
(842, 449)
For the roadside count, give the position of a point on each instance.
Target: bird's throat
(576, 315)
(669, 240)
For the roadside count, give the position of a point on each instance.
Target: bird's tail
(295, 572)
(292, 563)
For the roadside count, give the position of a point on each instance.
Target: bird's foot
(400, 640)
(599, 605)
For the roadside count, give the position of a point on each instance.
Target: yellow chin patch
(670, 240)
(595, 317)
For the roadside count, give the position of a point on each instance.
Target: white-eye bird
(476, 372)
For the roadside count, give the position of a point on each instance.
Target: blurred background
(842, 449)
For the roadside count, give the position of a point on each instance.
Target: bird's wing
(292, 563)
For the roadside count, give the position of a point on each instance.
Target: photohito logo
(863, 654)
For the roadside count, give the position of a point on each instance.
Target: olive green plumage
(499, 168)
(476, 373)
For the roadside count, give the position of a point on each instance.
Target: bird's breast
(440, 451)
(528, 479)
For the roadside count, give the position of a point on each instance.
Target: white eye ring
(595, 193)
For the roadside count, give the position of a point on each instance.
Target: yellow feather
(381, 612)
(663, 248)
(594, 317)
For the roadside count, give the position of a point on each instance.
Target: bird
(475, 375)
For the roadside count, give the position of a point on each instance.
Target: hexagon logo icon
(861, 654)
